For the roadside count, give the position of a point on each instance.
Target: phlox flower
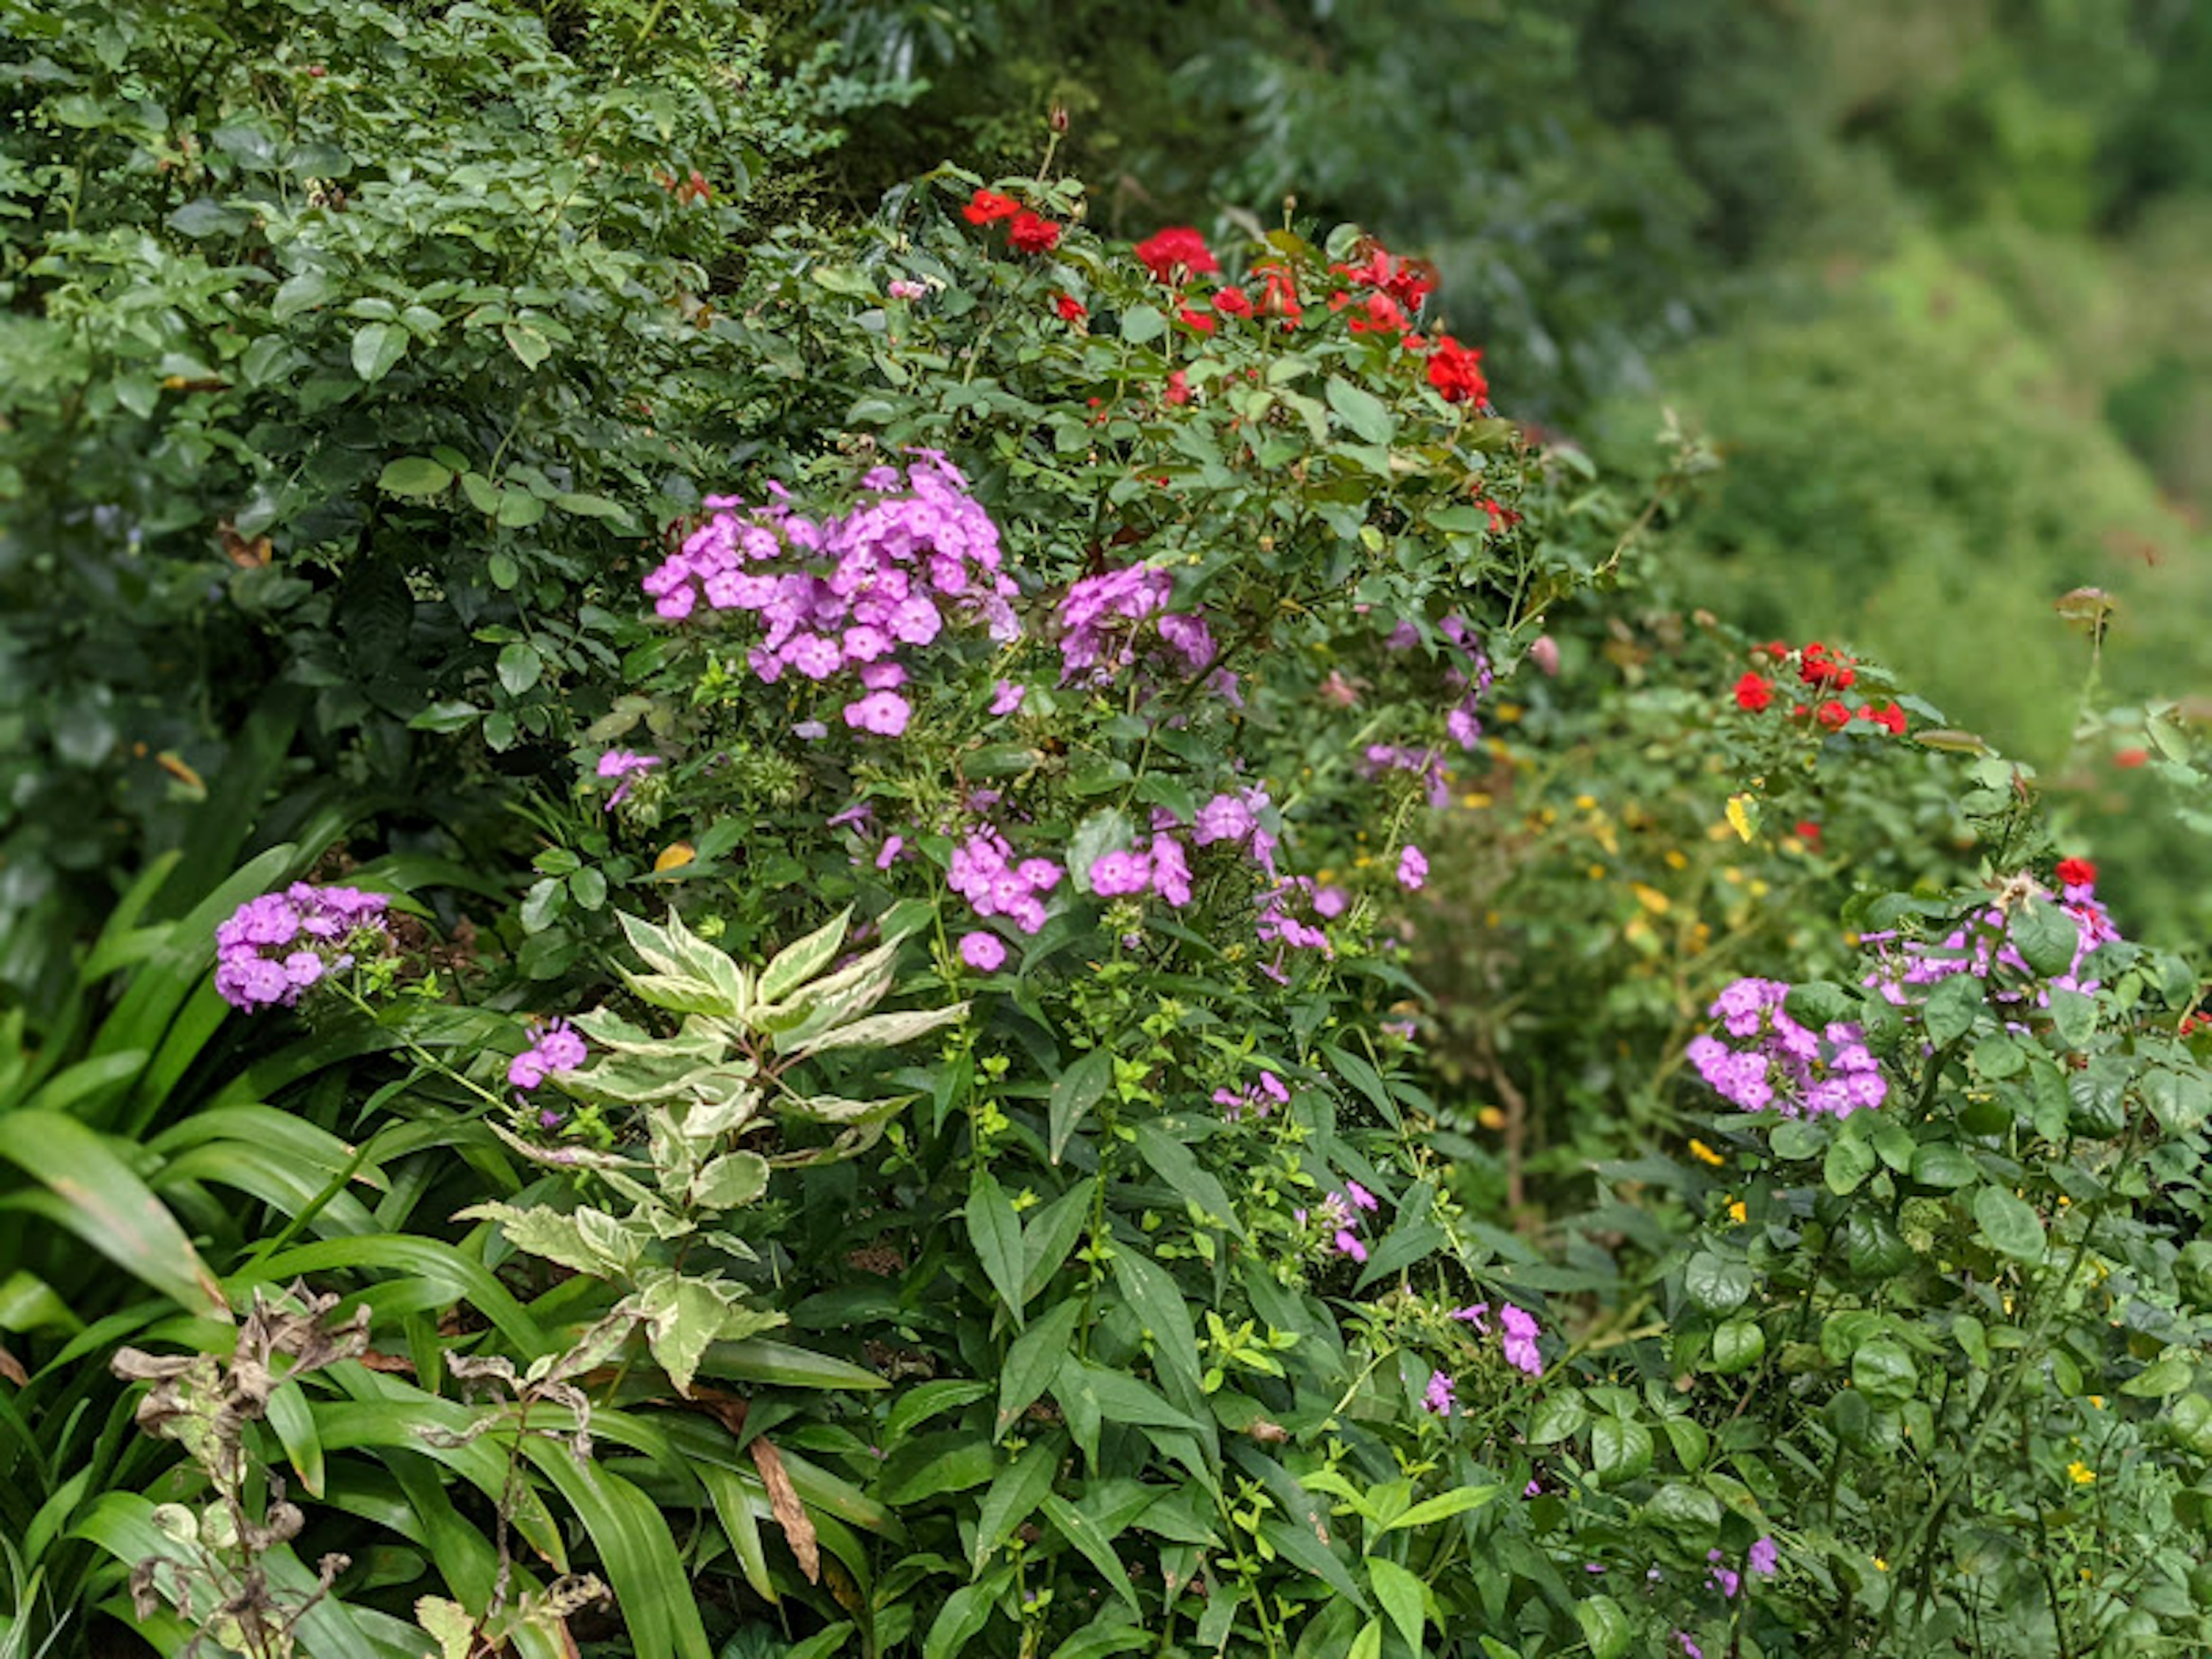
(1413, 868)
(1439, 1396)
(985, 953)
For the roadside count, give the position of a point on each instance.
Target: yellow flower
(1743, 816)
(2081, 1473)
(1477, 799)
(1705, 1154)
(1737, 1213)
(1881, 1565)
(1652, 898)
(1490, 1117)
(1675, 860)
(1597, 872)
(1585, 802)
(2098, 1401)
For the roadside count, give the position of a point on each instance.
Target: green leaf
(639, 1554)
(1074, 1092)
(519, 665)
(730, 1181)
(1605, 1626)
(1884, 1372)
(1621, 1450)
(95, 1195)
(1940, 1163)
(918, 1404)
(1141, 325)
(1032, 1362)
(1298, 1545)
(1367, 1644)
(414, 475)
(793, 965)
(1361, 409)
(1952, 1007)
(1050, 1234)
(1403, 1596)
(2178, 1100)
(1177, 1165)
(2009, 1224)
(964, 1613)
(1738, 1345)
(1715, 1284)
(2170, 1375)
(1014, 1494)
(1446, 1504)
(1849, 1162)
(526, 342)
(996, 1232)
(781, 1366)
(2046, 936)
(1151, 1295)
(376, 348)
(1082, 1532)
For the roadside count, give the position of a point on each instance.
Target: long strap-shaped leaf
(96, 1196)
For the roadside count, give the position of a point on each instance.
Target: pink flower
(905, 288)
(1007, 698)
(1413, 868)
(884, 713)
(985, 953)
(1439, 1397)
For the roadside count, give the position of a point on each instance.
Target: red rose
(1281, 299)
(986, 207)
(1754, 693)
(1233, 302)
(2132, 757)
(1384, 316)
(1892, 717)
(1177, 253)
(2076, 872)
(1032, 232)
(1808, 832)
(1197, 319)
(1833, 714)
(1071, 310)
(1178, 390)
(1454, 371)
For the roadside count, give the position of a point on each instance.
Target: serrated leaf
(1367, 416)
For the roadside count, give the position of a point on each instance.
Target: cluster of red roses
(1384, 292)
(1027, 230)
(1822, 670)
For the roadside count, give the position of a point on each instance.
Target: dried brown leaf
(790, 1513)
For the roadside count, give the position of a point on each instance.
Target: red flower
(2076, 872)
(1070, 311)
(1808, 832)
(2194, 1023)
(1754, 692)
(1031, 233)
(1233, 302)
(1408, 281)
(1890, 717)
(1775, 649)
(1197, 319)
(2132, 757)
(1454, 371)
(1833, 714)
(986, 207)
(1178, 390)
(1177, 253)
(1821, 669)
(1501, 518)
(1384, 316)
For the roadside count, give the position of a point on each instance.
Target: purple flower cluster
(272, 948)
(553, 1047)
(628, 766)
(845, 593)
(1234, 817)
(984, 871)
(1440, 1396)
(1764, 1558)
(1163, 869)
(1338, 1216)
(1467, 673)
(1982, 947)
(1100, 618)
(1427, 763)
(1784, 1065)
(1517, 1331)
(1260, 1100)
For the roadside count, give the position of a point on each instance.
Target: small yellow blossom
(1508, 712)
(1585, 802)
(2081, 1473)
(1743, 816)
(1675, 860)
(1705, 1154)
(1476, 798)
(2098, 1401)
(1652, 898)
(1737, 1213)
(1881, 1565)
(1490, 1117)
(1597, 872)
